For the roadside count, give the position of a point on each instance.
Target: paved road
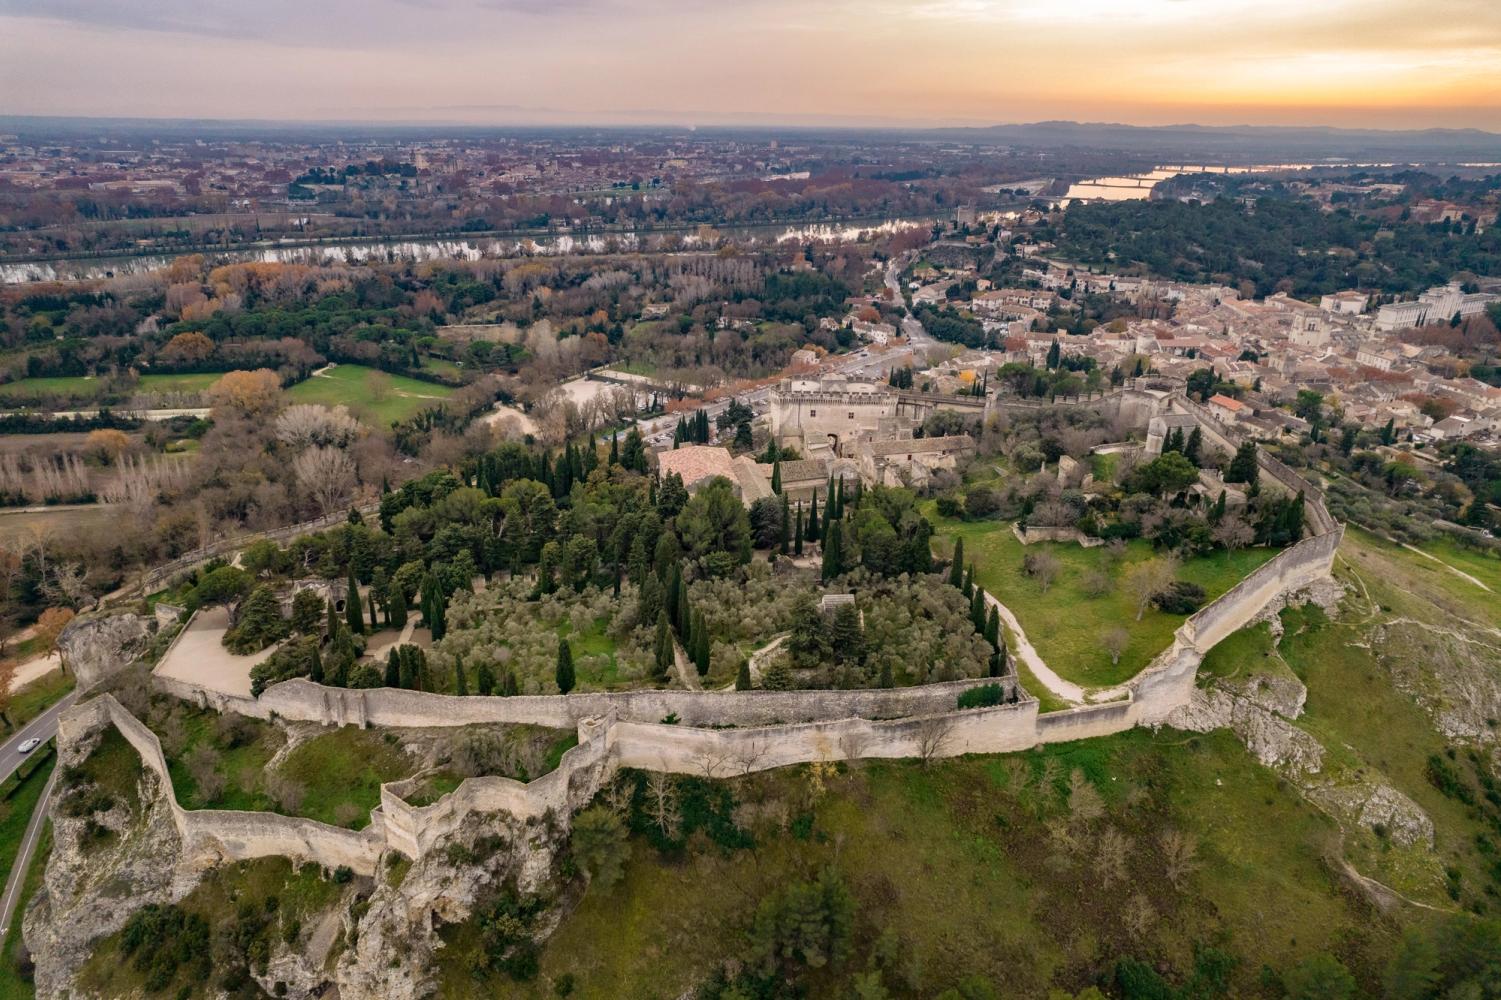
(17, 877)
(43, 727)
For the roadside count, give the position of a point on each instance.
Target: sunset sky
(1368, 63)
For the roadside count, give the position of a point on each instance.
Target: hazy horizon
(1390, 64)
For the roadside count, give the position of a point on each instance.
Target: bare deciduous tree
(1147, 579)
(1233, 532)
(932, 736)
(327, 474)
(662, 803)
(1114, 641)
(1042, 567)
(1180, 859)
(306, 425)
(1111, 852)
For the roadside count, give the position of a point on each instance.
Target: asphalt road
(43, 727)
(17, 876)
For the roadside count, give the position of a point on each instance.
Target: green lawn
(374, 396)
(957, 858)
(342, 771)
(14, 985)
(84, 388)
(600, 671)
(35, 698)
(1064, 623)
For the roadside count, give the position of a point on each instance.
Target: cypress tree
(701, 644)
(614, 449)
(664, 653)
(393, 669)
(509, 687)
(833, 552)
(997, 663)
(315, 670)
(813, 517)
(776, 476)
(672, 599)
(993, 628)
(887, 680)
(797, 533)
(838, 503)
(969, 581)
(484, 678)
(460, 682)
(398, 608)
(331, 628)
(742, 676)
(786, 525)
(353, 612)
(977, 610)
(564, 674)
(374, 625)
(956, 568)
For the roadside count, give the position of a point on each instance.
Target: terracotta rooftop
(697, 463)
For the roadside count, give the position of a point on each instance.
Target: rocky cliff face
(376, 941)
(94, 648)
(96, 880)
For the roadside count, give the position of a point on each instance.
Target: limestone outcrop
(94, 648)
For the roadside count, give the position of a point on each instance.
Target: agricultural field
(63, 520)
(1066, 620)
(374, 396)
(86, 389)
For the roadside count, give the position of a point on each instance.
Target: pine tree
(484, 679)
(564, 673)
(352, 605)
(956, 568)
(742, 676)
(460, 682)
(833, 552)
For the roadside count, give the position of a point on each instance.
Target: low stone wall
(1031, 534)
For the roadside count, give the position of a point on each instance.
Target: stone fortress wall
(771, 729)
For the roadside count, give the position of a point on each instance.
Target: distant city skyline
(1375, 64)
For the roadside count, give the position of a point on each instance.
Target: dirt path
(686, 671)
(1025, 652)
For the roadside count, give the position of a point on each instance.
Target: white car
(29, 745)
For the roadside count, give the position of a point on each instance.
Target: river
(398, 249)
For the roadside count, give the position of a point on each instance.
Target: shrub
(1180, 598)
(983, 696)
